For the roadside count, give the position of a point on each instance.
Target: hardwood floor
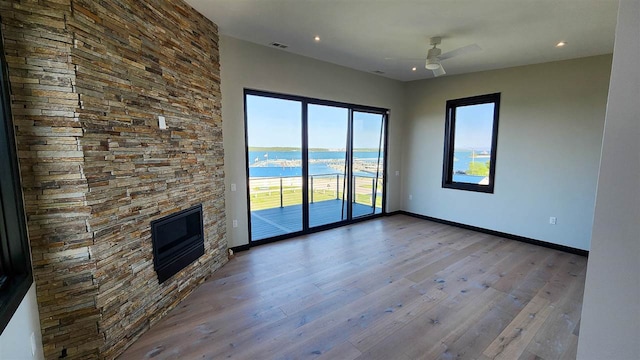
(390, 288)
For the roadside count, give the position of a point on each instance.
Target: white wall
(550, 131)
(15, 341)
(610, 325)
(247, 65)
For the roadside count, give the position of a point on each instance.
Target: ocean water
(463, 159)
(297, 155)
(278, 171)
(470, 179)
(461, 163)
(314, 168)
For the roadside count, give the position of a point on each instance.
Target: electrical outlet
(233, 187)
(410, 197)
(397, 172)
(553, 220)
(235, 223)
(162, 123)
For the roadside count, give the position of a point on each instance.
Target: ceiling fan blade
(439, 71)
(460, 51)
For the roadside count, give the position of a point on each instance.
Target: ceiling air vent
(378, 72)
(279, 45)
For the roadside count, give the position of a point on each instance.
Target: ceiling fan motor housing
(433, 53)
(432, 64)
(432, 58)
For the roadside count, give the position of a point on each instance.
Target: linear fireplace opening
(178, 241)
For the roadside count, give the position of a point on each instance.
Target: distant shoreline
(293, 149)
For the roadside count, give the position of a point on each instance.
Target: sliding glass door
(311, 163)
(367, 163)
(274, 149)
(328, 141)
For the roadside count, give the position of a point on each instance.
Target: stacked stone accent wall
(89, 80)
(48, 131)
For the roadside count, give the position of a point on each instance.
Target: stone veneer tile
(88, 80)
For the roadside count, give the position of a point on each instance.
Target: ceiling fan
(435, 56)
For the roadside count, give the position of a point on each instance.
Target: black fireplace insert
(178, 241)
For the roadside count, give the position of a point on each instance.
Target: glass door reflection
(274, 142)
(367, 163)
(327, 129)
(311, 164)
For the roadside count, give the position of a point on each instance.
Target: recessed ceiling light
(561, 44)
(414, 68)
(317, 38)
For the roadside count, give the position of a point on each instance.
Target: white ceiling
(393, 35)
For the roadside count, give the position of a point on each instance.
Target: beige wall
(611, 313)
(16, 340)
(549, 141)
(247, 65)
(550, 130)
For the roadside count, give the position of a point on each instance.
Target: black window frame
(449, 142)
(16, 274)
(305, 101)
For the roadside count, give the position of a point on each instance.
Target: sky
(474, 127)
(327, 127)
(275, 122)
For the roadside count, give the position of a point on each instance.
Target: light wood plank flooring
(389, 288)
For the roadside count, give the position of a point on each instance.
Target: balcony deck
(284, 220)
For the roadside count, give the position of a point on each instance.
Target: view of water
(470, 179)
(297, 155)
(315, 168)
(461, 163)
(278, 171)
(463, 159)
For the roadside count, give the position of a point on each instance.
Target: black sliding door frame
(382, 145)
(349, 167)
(348, 192)
(305, 168)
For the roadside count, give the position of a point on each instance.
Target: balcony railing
(271, 192)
